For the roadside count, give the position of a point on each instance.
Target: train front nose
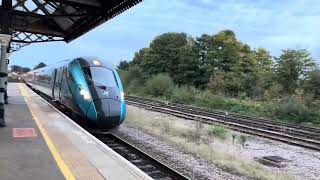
(108, 112)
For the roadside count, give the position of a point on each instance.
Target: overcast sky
(274, 25)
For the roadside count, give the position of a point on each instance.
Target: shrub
(242, 139)
(205, 99)
(183, 94)
(135, 87)
(312, 84)
(217, 132)
(159, 85)
(295, 112)
(132, 80)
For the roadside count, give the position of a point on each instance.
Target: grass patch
(197, 139)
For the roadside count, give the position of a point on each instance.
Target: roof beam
(79, 3)
(4, 16)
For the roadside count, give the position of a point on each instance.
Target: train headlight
(96, 62)
(122, 95)
(85, 94)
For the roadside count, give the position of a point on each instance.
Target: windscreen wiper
(101, 86)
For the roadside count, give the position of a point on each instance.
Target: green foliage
(216, 83)
(312, 84)
(242, 139)
(220, 72)
(296, 112)
(162, 55)
(293, 65)
(159, 85)
(124, 65)
(133, 80)
(183, 94)
(217, 132)
(263, 59)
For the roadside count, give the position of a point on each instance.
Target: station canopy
(30, 21)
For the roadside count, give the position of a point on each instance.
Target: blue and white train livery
(86, 86)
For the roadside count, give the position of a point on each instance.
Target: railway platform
(39, 143)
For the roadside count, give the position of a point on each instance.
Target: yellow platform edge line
(57, 157)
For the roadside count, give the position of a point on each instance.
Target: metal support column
(4, 39)
(6, 78)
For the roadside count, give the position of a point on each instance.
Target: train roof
(83, 61)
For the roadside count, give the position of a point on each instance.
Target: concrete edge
(123, 162)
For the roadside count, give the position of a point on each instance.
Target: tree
(217, 82)
(265, 75)
(124, 65)
(163, 55)
(19, 69)
(312, 84)
(187, 70)
(223, 51)
(263, 59)
(291, 67)
(202, 45)
(40, 65)
(25, 69)
(140, 56)
(16, 68)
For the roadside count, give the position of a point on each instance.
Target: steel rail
(149, 165)
(143, 161)
(283, 133)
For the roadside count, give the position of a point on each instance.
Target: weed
(166, 128)
(242, 139)
(234, 136)
(217, 132)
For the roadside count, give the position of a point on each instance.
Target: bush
(203, 98)
(183, 94)
(295, 112)
(159, 85)
(217, 132)
(132, 80)
(135, 87)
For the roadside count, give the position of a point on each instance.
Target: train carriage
(86, 86)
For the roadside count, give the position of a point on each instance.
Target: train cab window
(100, 76)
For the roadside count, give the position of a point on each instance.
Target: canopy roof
(30, 21)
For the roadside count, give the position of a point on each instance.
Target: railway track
(307, 137)
(155, 169)
(144, 162)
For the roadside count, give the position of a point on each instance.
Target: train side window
(69, 77)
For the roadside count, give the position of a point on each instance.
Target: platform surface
(24, 157)
(41, 143)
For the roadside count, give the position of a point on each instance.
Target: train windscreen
(101, 76)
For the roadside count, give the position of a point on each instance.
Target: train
(87, 87)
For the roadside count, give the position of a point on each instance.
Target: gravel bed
(301, 163)
(184, 163)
